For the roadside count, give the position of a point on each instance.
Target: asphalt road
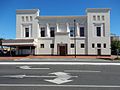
(59, 77)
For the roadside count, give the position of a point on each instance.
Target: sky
(53, 8)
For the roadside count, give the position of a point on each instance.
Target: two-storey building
(62, 35)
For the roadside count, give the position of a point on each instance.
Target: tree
(115, 46)
(1, 43)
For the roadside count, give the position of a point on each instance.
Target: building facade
(62, 35)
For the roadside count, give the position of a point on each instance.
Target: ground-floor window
(51, 45)
(82, 45)
(41, 45)
(72, 45)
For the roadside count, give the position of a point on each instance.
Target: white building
(54, 35)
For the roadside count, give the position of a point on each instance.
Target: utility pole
(75, 37)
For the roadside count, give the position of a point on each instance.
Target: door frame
(59, 51)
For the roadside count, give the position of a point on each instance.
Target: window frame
(72, 45)
(82, 45)
(51, 45)
(42, 46)
(98, 45)
(82, 33)
(52, 31)
(27, 32)
(42, 31)
(98, 29)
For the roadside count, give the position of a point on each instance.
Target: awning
(18, 42)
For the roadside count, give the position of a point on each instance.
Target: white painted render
(62, 26)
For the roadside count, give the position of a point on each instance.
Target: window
(103, 18)
(52, 31)
(99, 45)
(31, 18)
(82, 45)
(71, 31)
(104, 45)
(51, 45)
(93, 45)
(98, 31)
(82, 32)
(98, 17)
(23, 18)
(26, 32)
(72, 45)
(43, 32)
(41, 45)
(26, 18)
(94, 17)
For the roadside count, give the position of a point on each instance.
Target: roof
(17, 42)
(98, 9)
(27, 11)
(61, 16)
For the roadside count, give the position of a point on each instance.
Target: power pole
(75, 37)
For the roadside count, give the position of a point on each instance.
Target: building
(62, 35)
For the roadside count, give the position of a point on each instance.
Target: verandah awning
(18, 42)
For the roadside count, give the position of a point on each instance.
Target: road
(59, 77)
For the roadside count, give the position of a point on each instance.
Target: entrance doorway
(98, 52)
(62, 49)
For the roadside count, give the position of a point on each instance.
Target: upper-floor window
(98, 31)
(31, 18)
(71, 31)
(23, 18)
(26, 18)
(52, 31)
(94, 17)
(42, 31)
(82, 32)
(103, 17)
(26, 32)
(98, 17)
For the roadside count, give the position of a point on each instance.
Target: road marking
(62, 77)
(43, 85)
(56, 63)
(27, 76)
(86, 71)
(29, 67)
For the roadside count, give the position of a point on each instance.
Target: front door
(62, 49)
(99, 52)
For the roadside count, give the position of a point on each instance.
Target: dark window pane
(82, 32)
(42, 32)
(93, 45)
(99, 45)
(71, 31)
(98, 31)
(51, 45)
(104, 45)
(72, 45)
(52, 32)
(26, 32)
(82, 45)
(41, 45)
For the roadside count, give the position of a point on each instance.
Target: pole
(75, 37)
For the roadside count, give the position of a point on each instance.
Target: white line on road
(43, 85)
(89, 71)
(57, 63)
(30, 68)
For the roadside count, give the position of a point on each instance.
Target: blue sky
(53, 7)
